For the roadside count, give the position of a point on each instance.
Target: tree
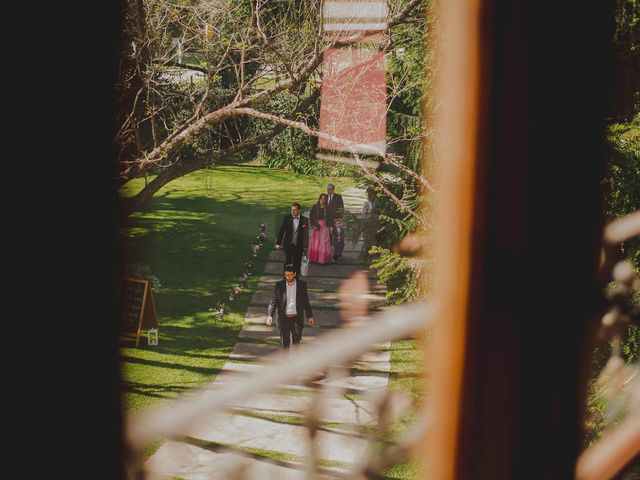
(245, 54)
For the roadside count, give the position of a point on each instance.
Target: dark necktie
(294, 239)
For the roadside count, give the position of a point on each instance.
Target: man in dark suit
(293, 237)
(291, 300)
(335, 205)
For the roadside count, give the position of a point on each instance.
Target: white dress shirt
(291, 298)
(329, 199)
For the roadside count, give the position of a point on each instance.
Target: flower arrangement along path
(264, 436)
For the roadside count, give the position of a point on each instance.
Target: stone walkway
(265, 433)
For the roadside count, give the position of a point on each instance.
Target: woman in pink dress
(320, 245)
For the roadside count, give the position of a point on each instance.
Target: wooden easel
(138, 307)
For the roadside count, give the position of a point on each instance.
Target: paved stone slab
(354, 205)
(354, 191)
(323, 318)
(350, 257)
(256, 433)
(252, 352)
(256, 314)
(336, 410)
(324, 299)
(274, 268)
(181, 460)
(266, 282)
(309, 335)
(281, 433)
(264, 332)
(354, 247)
(317, 270)
(338, 270)
(360, 383)
(232, 372)
(377, 360)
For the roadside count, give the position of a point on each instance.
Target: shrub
(306, 165)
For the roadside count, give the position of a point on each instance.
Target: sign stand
(138, 308)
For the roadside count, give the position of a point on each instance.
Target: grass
(195, 234)
(407, 374)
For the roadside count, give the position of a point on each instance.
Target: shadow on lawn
(155, 391)
(170, 365)
(200, 335)
(196, 246)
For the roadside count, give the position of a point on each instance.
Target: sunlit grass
(195, 235)
(407, 374)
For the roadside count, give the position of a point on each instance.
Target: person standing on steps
(291, 300)
(335, 205)
(320, 248)
(293, 237)
(337, 239)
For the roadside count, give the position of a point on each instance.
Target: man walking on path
(293, 237)
(335, 205)
(291, 300)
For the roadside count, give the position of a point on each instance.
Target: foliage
(622, 196)
(305, 165)
(400, 274)
(627, 21)
(250, 60)
(410, 76)
(357, 227)
(197, 245)
(623, 179)
(139, 270)
(290, 141)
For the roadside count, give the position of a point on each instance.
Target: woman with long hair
(320, 245)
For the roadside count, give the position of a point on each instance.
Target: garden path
(265, 434)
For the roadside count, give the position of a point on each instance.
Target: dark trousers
(290, 330)
(293, 255)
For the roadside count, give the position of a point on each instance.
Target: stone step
(320, 283)
(375, 361)
(205, 462)
(266, 424)
(338, 270)
(257, 433)
(267, 333)
(325, 299)
(323, 318)
(358, 382)
(317, 270)
(252, 352)
(309, 335)
(335, 410)
(348, 247)
(351, 257)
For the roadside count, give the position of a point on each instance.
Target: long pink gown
(320, 244)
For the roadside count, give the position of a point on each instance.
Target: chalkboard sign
(138, 307)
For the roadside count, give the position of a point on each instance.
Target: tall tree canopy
(200, 81)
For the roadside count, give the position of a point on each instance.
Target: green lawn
(407, 374)
(195, 236)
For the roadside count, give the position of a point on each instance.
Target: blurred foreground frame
(523, 96)
(524, 91)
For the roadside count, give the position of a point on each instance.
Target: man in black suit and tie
(293, 237)
(291, 300)
(335, 205)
